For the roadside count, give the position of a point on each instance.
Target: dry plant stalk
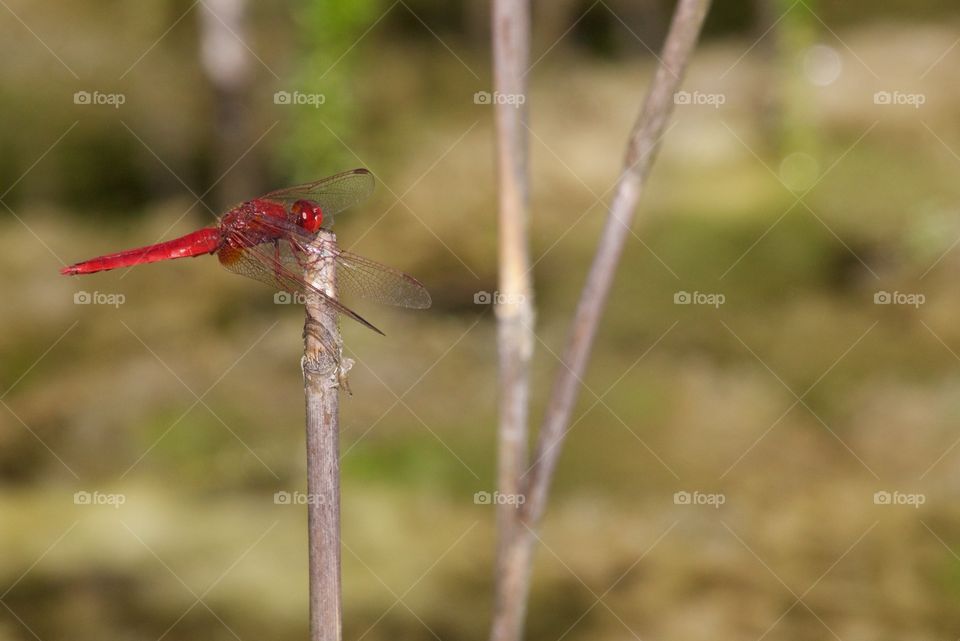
(516, 543)
(322, 376)
(515, 317)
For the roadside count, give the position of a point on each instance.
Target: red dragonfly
(273, 239)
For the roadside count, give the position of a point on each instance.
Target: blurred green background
(810, 181)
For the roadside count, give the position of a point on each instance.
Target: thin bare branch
(322, 375)
(513, 302)
(641, 150)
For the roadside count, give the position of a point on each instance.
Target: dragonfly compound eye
(309, 214)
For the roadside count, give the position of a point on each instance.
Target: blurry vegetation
(115, 397)
(325, 33)
(107, 170)
(795, 33)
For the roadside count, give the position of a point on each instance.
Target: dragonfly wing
(355, 274)
(379, 283)
(269, 262)
(333, 194)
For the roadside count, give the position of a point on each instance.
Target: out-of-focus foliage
(96, 398)
(328, 63)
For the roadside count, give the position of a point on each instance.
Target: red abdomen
(202, 241)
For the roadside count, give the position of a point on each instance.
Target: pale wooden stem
(322, 376)
(514, 305)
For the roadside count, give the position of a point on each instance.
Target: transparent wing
(355, 274)
(333, 194)
(379, 283)
(268, 262)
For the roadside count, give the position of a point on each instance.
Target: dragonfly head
(309, 215)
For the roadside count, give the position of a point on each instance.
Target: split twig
(516, 545)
